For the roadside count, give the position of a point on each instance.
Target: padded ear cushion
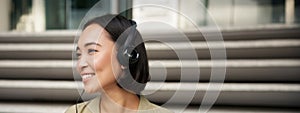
(121, 57)
(128, 83)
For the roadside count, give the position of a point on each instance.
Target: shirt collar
(93, 105)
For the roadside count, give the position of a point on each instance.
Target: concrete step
(36, 50)
(264, 70)
(234, 49)
(47, 107)
(242, 94)
(231, 33)
(67, 36)
(64, 36)
(277, 48)
(33, 107)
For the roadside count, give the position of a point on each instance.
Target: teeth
(86, 76)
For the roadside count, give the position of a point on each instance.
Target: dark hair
(116, 26)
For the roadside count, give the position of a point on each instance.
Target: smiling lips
(87, 76)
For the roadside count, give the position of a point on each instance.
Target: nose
(82, 64)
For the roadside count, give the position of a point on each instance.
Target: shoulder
(148, 107)
(90, 106)
(80, 107)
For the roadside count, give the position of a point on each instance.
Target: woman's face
(97, 61)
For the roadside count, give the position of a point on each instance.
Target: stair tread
(167, 86)
(266, 32)
(266, 70)
(30, 107)
(162, 46)
(52, 107)
(166, 63)
(258, 94)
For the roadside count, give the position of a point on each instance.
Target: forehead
(94, 33)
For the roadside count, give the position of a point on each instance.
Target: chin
(90, 91)
(90, 88)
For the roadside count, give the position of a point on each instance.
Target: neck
(118, 100)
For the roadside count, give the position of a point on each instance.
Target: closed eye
(90, 51)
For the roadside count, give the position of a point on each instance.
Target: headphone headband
(132, 22)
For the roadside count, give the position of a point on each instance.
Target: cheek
(103, 66)
(100, 62)
(107, 67)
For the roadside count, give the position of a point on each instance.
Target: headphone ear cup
(126, 58)
(134, 56)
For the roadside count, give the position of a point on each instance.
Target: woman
(112, 60)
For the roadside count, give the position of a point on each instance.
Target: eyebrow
(88, 44)
(91, 43)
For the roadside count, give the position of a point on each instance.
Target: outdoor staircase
(262, 71)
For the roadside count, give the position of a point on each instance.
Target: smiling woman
(112, 60)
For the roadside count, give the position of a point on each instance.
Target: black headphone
(127, 54)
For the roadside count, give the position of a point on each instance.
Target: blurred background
(262, 40)
(45, 15)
